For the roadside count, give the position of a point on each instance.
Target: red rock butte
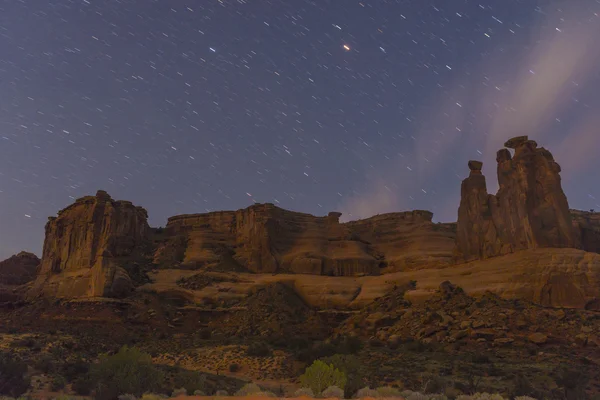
(94, 247)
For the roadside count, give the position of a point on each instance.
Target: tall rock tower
(86, 245)
(530, 209)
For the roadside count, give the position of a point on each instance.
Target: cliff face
(85, 246)
(19, 269)
(529, 211)
(267, 239)
(586, 225)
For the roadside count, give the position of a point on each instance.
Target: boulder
(537, 338)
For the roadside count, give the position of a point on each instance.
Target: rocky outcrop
(586, 225)
(86, 246)
(529, 211)
(19, 269)
(266, 239)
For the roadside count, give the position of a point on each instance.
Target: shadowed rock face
(85, 246)
(19, 269)
(530, 209)
(267, 239)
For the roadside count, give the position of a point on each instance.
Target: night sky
(362, 107)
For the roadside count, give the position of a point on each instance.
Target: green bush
(128, 371)
(333, 391)
(191, 381)
(366, 392)
(386, 391)
(58, 383)
(249, 389)
(320, 376)
(349, 365)
(13, 381)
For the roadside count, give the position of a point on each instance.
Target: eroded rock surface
(86, 246)
(530, 209)
(587, 229)
(19, 269)
(266, 239)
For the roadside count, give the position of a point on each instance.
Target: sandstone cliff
(19, 269)
(587, 229)
(266, 239)
(529, 211)
(86, 245)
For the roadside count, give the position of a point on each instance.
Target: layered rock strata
(87, 244)
(529, 211)
(266, 239)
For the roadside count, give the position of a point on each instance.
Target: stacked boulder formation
(529, 211)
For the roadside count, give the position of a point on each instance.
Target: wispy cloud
(525, 94)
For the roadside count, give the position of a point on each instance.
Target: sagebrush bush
(248, 389)
(13, 380)
(417, 396)
(179, 392)
(223, 393)
(259, 349)
(320, 376)
(333, 391)
(386, 391)
(128, 371)
(366, 392)
(304, 392)
(191, 381)
(199, 393)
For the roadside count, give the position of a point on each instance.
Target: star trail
(362, 107)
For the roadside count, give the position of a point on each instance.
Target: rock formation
(86, 246)
(530, 209)
(19, 269)
(266, 239)
(586, 225)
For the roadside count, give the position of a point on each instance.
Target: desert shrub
(366, 392)
(349, 365)
(320, 376)
(386, 391)
(13, 381)
(249, 389)
(333, 391)
(347, 344)
(222, 393)
(307, 392)
(199, 393)
(45, 364)
(58, 383)
(234, 367)
(417, 396)
(191, 381)
(128, 371)
(75, 369)
(259, 349)
(127, 397)
(437, 396)
(83, 385)
(179, 392)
